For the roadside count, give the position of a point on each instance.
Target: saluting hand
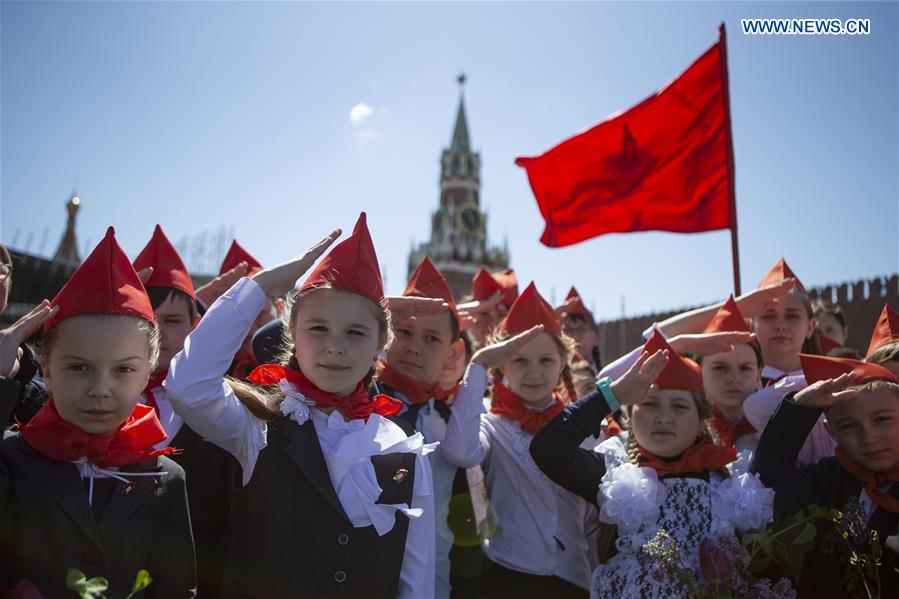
(706, 344)
(752, 304)
(405, 306)
(566, 305)
(494, 356)
(823, 394)
(208, 293)
(281, 279)
(640, 378)
(12, 337)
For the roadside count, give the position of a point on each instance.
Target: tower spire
(68, 246)
(461, 140)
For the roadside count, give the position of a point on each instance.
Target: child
(540, 544)
(884, 347)
(862, 405)
(209, 468)
(578, 323)
(423, 347)
(831, 325)
(666, 475)
(245, 359)
(335, 500)
(81, 485)
(483, 287)
(728, 378)
(785, 328)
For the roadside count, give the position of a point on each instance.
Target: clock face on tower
(469, 219)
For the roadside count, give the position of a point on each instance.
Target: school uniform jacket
(823, 483)
(48, 526)
(292, 538)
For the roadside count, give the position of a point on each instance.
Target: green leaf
(767, 546)
(76, 580)
(807, 534)
(142, 581)
(759, 565)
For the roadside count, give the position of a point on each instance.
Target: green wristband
(604, 386)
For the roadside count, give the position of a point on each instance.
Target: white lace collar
(632, 497)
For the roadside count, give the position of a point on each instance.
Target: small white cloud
(360, 112)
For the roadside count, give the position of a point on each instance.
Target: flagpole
(729, 149)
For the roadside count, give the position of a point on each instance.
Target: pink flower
(24, 589)
(714, 562)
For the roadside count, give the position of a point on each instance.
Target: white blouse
(200, 395)
(540, 528)
(171, 422)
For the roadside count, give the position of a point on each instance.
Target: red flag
(664, 165)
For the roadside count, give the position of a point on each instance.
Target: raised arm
(464, 445)
(750, 304)
(776, 457)
(557, 452)
(195, 383)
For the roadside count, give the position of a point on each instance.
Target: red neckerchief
(411, 389)
(729, 431)
(155, 381)
(51, 436)
(703, 456)
(871, 480)
(355, 405)
(612, 427)
(508, 405)
(243, 365)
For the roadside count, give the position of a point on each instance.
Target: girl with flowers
(664, 494)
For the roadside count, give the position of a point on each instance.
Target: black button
(91, 555)
(340, 576)
(343, 539)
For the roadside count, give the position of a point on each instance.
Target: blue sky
(211, 115)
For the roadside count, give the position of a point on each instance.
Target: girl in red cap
(335, 497)
(82, 484)
(538, 544)
(666, 475)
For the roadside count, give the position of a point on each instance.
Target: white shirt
(200, 395)
(535, 518)
(760, 406)
(171, 422)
